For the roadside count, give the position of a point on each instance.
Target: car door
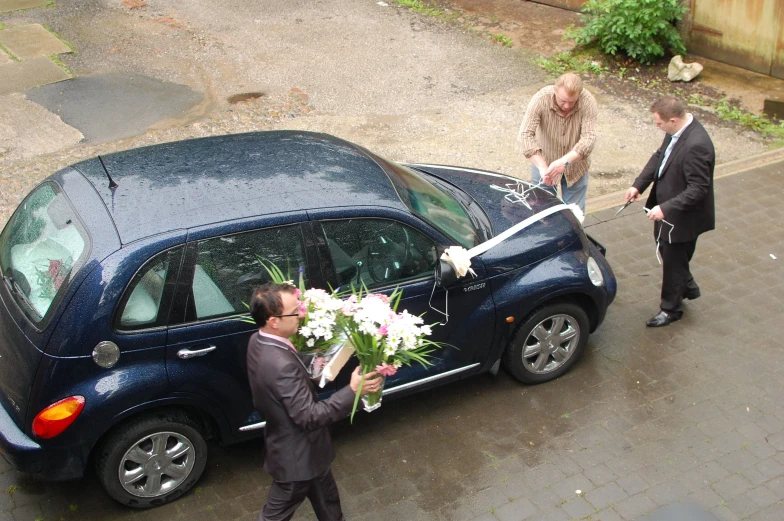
(207, 348)
(383, 254)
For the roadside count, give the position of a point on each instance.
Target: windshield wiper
(17, 289)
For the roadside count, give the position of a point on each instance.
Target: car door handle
(186, 353)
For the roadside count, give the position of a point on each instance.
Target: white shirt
(675, 137)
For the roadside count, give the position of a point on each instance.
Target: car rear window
(40, 249)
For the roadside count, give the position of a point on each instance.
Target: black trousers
(285, 497)
(676, 277)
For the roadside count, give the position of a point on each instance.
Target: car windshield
(38, 249)
(431, 204)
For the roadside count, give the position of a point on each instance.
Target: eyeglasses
(287, 315)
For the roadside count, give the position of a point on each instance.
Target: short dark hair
(266, 302)
(669, 107)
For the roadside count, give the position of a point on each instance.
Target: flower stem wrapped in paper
(383, 339)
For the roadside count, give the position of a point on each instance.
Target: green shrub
(642, 29)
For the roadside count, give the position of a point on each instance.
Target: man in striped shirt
(557, 135)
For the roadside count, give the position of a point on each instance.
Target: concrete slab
(31, 41)
(4, 58)
(28, 130)
(18, 76)
(16, 5)
(114, 106)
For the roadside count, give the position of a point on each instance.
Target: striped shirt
(547, 132)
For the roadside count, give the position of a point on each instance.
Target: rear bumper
(21, 452)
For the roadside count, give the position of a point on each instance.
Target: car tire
(548, 343)
(152, 460)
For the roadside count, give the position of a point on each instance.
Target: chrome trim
(253, 427)
(429, 379)
(186, 353)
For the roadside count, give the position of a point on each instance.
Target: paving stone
(770, 468)
(19, 76)
(635, 507)
(762, 496)
(632, 484)
(738, 460)
(606, 495)
(4, 58)
(517, 510)
(31, 41)
(578, 508)
(754, 476)
(29, 512)
(724, 514)
(772, 513)
(600, 474)
(486, 517)
(553, 514)
(567, 488)
(16, 5)
(742, 505)
(731, 486)
(606, 515)
(706, 498)
(666, 493)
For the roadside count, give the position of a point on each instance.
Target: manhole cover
(245, 96)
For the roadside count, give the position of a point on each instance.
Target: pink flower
(297, 292)
(384, 298)
(303, 308)
(383, 330)
(54, 267)
(385, 369)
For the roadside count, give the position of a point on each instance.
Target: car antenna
(112, 184)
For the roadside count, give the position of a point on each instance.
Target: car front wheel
(152, 460)
(548, 344)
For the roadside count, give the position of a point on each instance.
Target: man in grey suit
(681, 201)
(298, 447)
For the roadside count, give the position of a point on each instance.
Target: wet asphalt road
(693, 411)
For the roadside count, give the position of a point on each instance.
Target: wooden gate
(745, 33)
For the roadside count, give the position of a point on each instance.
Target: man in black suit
(680, 203)
(298, 447)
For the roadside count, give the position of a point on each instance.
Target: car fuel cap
(106, 354)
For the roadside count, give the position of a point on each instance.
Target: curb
(729, 168)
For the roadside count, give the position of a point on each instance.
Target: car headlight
(594, 273)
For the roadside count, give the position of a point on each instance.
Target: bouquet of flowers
(383, 339)
(316, 338)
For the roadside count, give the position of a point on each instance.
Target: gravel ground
(410, 87)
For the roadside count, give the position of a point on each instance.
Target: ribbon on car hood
(460, 258)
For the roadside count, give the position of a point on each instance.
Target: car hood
(530, 245)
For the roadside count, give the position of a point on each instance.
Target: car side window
(378, 252)
(147, 299)
(229, 267)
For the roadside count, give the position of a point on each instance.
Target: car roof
(196, 182)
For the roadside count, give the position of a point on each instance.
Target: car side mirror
(445, 274)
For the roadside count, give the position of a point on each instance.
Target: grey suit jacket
(298, 446)
(684, 191)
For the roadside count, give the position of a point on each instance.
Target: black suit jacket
(684, 191)
(298, 446)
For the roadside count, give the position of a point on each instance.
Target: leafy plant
(502, 39)
(577, 61)
(419, 7)
(642, 29)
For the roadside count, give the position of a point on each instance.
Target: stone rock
(679, 71)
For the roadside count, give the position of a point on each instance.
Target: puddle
(109, 107)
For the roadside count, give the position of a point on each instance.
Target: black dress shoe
(691, 294)
(662, 318)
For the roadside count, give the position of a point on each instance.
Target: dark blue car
(125, 278)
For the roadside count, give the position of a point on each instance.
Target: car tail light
(53, 420)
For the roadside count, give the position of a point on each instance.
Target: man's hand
(370, 385)
(553, 175)
(656, 214)
(632, 194)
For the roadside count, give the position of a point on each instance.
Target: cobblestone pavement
(693, 411)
